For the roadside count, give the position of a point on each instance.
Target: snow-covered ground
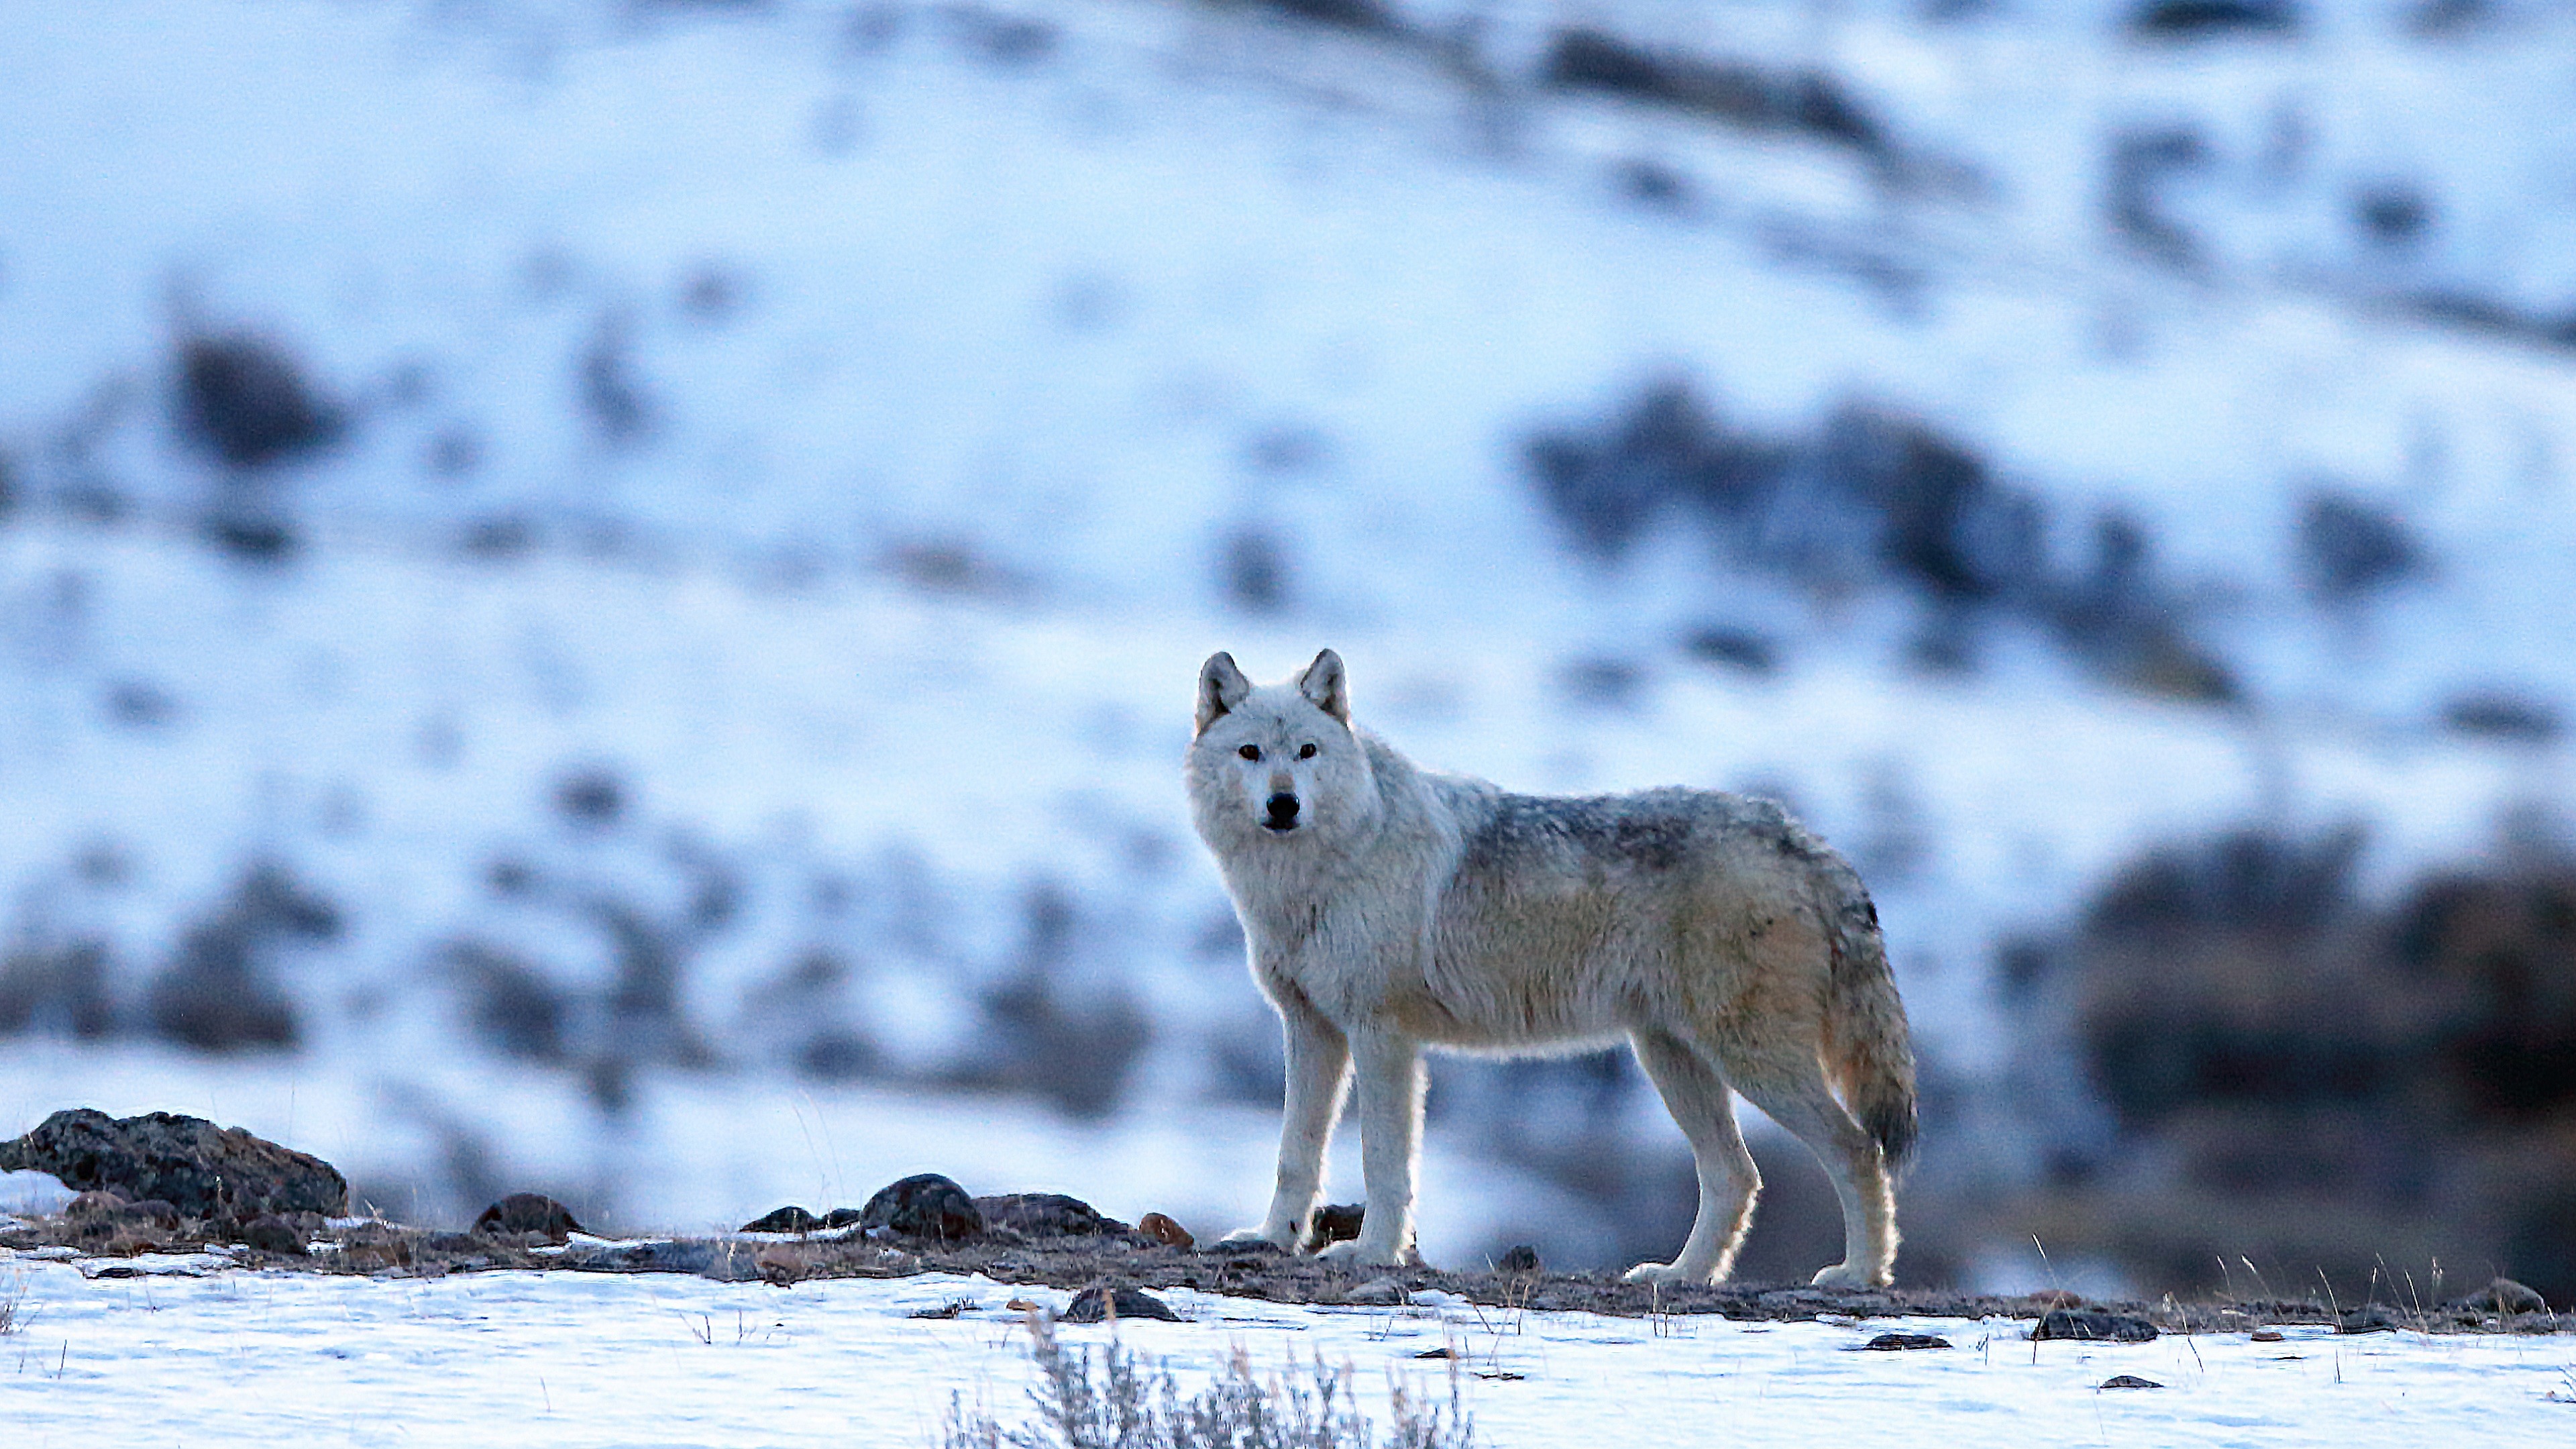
(790, 460)
(578, 1359)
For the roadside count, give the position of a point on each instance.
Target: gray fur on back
(1650, 831)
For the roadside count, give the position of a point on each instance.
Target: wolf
(1387, 908)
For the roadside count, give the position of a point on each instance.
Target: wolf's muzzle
(1283, 812)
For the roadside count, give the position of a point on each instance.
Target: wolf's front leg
(1319, 1071)
(1391, 1086)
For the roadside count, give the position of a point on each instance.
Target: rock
(1243, 1248)
(2369, 1318)
(789, 1219)
(2103, 1327)
(1339, 1222)
(2129, 1381)
(1104, 1301)
(1165, 1231)
(199, 1169)
(1043, 1215)
(1376, 1290)
(841, 1218)
(2267, 1335)
(2505, 1296)
(1904, 1342)
(270, 1233)
(528, 1213)
(94, 1204)
(925, 1205)
(1519, 1258)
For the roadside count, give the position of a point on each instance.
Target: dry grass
(1112, 1400)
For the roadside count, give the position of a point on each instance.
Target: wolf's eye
(1250, 752)
(1305, 752)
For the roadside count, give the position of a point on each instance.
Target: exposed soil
(1126, 1258)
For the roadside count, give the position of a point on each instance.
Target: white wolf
(1387, 908)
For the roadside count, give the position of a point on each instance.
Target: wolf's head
(1279, 762)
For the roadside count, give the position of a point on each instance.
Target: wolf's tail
(1868, 1045)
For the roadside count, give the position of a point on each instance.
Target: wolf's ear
(1221, 688)
(1326, 684)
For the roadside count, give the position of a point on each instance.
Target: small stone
(1376, 1290)
(270, 1233)
(925, 1205)
(1044, 1215)
(1904, 1342)
(1437, 1353)
(1165, 1231)
(1103, 1301)
(841, 1218)
(2506, 1296)
(2267, 1335)
(1337, 1223)
(527, 1212)
(788, 1219)
(1519, 1258)
(1243, 1248)
(2129, 1381)
(2100, 1327)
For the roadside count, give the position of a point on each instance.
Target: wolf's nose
(1283, 811)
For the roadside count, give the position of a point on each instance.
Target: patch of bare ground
(1251, 1271)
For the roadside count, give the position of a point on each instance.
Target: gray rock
(527, 1213)
(1044, 1215)
(2505, 1296)
(1335, 1223)
(2129, 1381)
(1103, 1301)
(1376, 1290)
(925, 1205)
(199, 1169)
(270, 1233)
(2101, 1327)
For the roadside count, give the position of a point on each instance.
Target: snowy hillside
(602, 596)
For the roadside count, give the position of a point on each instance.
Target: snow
(583, 1359)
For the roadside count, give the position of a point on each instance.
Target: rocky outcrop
(199, 1169)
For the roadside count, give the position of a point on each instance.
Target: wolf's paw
(1284, 1242)
(1662, 1273)
(1844, 1275)
(1361, 1251)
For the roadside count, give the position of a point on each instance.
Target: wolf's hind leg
(1695, 1093)
(1796, 1097)
(1319, 1072)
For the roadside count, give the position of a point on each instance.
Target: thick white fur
(1401, 908)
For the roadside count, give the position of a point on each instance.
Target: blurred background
(602, 596)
